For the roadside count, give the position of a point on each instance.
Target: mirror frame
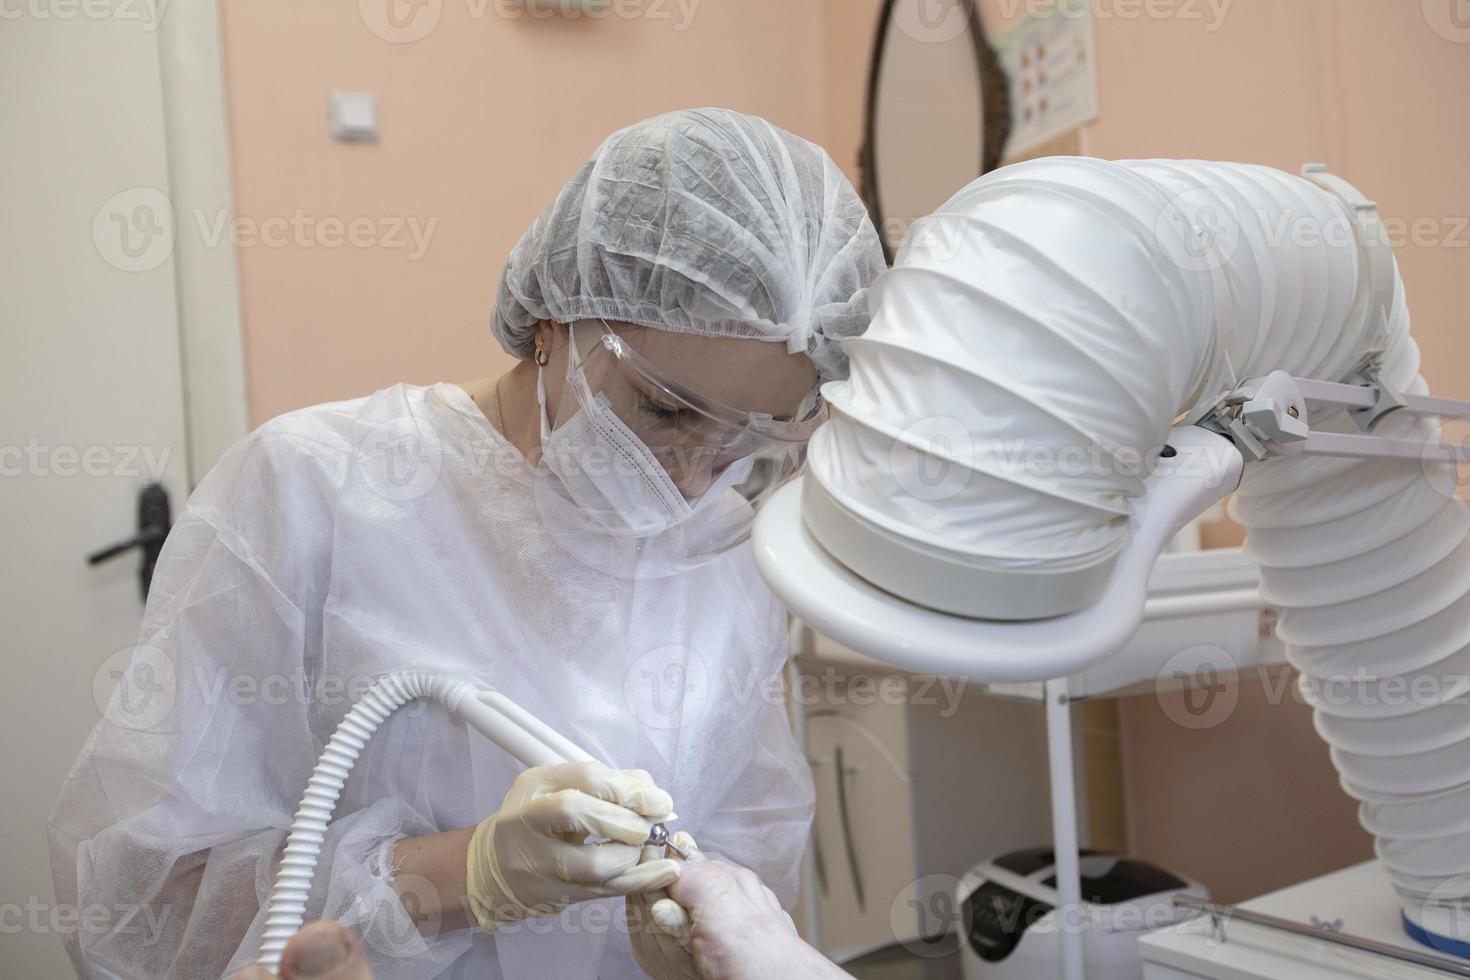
(995, 102)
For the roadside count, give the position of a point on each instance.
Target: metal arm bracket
(1268, 416)
(1368, 374)
(1263, 416)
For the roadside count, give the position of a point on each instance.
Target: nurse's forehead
(755, 375)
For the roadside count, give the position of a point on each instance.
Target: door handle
(844, 813)
(154, 521)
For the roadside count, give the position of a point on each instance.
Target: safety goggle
(723, 460)
(671, 396)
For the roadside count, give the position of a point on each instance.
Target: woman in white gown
(570, 533)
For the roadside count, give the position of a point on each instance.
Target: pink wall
(1247, 806)
(487, 114)
(483, 120)
(1365, 86)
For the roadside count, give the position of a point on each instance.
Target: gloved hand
(531, 858)
(658, 926)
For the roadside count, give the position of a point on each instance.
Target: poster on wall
(1049, 56)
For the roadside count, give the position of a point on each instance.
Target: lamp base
(1443, 930)
(946, 582)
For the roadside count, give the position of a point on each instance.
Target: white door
(91, 406)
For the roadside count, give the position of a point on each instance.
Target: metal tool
(1221, 915)
(659, 837)
(522, 735)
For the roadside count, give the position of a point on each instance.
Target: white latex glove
(531, 857)
(658, 926)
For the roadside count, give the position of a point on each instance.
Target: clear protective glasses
(641, 453)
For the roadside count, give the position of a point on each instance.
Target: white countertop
(1360, 896)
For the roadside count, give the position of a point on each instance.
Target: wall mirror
(938, 111)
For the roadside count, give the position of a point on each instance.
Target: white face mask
(612, 475)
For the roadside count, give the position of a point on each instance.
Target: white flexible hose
(1071, 303)
(1366, 560)
(286, 910)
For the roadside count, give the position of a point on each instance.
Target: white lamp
(1076, 306)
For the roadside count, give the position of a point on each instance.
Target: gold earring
(542, 356)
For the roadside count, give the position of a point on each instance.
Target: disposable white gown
(339, 543)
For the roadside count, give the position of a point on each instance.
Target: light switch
(353, 116)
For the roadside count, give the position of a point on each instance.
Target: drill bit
(659, 837)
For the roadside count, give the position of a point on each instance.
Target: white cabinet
(918, 779)
(863, 836)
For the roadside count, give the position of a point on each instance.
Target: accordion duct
(1030, 350)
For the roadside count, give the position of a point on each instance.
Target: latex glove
(659, 927)
(740, 931)
(530, 858)
(321, 951)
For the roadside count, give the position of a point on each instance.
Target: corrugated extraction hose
(287, 908)
(1074, 309)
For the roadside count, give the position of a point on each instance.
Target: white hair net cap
(703, 221)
